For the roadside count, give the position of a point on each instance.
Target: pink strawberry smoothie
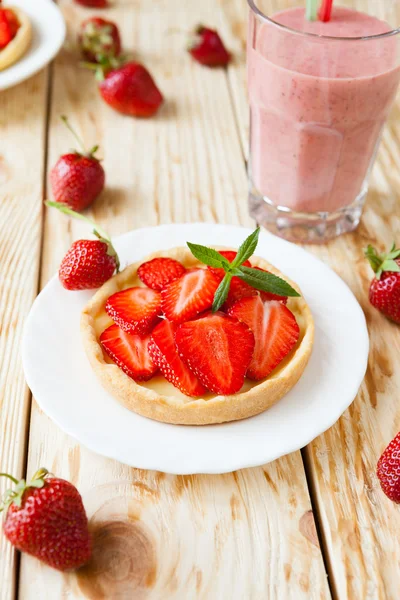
(318, 106)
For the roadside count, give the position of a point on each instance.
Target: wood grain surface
(22, 150)
(248, 535)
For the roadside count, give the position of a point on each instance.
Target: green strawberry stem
(9, 477)
(99, 232)
(14, 496)
(64, 119)
(383, 262)
(259, 280)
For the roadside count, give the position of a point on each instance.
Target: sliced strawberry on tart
(15, 35)
(198, 336)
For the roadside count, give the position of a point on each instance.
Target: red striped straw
(325, 11)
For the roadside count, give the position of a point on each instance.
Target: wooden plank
(22, 126)
(251, 533)
(359, 524)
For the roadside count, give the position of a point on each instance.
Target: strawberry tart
(198, 336)
(15, 35)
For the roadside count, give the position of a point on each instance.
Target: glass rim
(317, 36)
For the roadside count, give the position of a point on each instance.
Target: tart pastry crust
(20, 43)
(175, 408)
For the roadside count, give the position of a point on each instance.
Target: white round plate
(64, 385)
(48, 36)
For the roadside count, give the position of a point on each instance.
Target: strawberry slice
(275, 332)
(229, 255)
(188, 296)
(135, 310)
(164, 354)
(6, 34)
(157, 273)
(218, 350)
(129, 352)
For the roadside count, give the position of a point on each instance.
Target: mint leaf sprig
(259, 280)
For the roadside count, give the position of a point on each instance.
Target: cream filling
(163, 387)
(20, 44)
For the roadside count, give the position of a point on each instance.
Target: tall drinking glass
(319, 94)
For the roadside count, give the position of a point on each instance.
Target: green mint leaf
(208, 256)
(222, 292)
(267, 282)
(247, 249)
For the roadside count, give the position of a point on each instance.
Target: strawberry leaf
(247, 249)
(209, 257)
(267, 282)
(222, 292)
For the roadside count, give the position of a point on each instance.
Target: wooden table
(311, 525)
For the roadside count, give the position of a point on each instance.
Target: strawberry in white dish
(217, 356)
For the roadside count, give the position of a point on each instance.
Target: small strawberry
(98, 39)
(218, 350)
(207, 48)
(93, 3)
(135, 310)
(388, 470)
(88, 264)
(9, 26)
(157, 273)
(275, 332)
(165, 355)
(384, 291)
(128, 88)
(46, 518)
(190, 295)
(129, 352)
(77, 178)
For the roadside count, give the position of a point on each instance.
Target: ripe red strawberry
(130, 90)
(87, 265)
(77, 178)
(9, 26)
(229, 255)
(165, 355)
(384, 291)
(46, 518)
(135, 310)
(218, 350)
(275, 332)
(93, 3)
(190, 295)
(129, 352)
(388, 470)
(99, 39)
(157, 273)
(208, 49)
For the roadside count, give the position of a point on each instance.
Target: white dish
(49, 30)
(64, 385)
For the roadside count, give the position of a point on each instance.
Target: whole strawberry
(93, 3)
(384, 291)
(46, 518)
(99, 38)
(208, 49)
(388, 470)
(129, 89)
(77, 178)
(88, 264)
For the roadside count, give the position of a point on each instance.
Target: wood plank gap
(46, 125)
(318, 525)
(235, 116)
